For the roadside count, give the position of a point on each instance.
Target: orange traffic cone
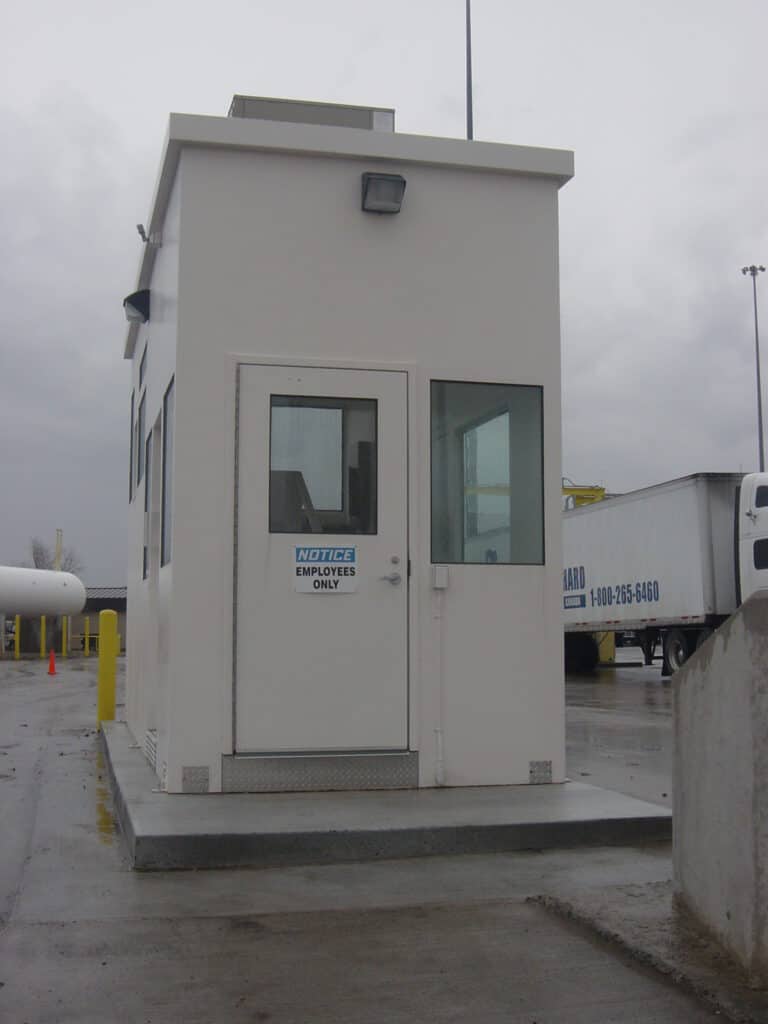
(52, 664)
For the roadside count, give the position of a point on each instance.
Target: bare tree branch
(41, 554)
(43, 558)
(71, 561)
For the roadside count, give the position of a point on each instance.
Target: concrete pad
(646, 922)
(165, 832)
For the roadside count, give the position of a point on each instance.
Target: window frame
(166, 491)
(141, 420)
(461, 432)
(131, 456)
(148, 456)
(143, 365)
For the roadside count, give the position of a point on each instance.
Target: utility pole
(470, 127)
(753, 271)
(59, 545)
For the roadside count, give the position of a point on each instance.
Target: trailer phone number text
(625, 593)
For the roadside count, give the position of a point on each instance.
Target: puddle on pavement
(106, 826)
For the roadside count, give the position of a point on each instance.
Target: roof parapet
(336, 115)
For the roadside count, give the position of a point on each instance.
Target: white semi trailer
(669, 562)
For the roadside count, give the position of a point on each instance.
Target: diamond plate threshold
(166, 832)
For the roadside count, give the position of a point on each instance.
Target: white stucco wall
(721, 785)
(278, 262)
(149, 600)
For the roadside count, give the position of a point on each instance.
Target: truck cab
(752, 536)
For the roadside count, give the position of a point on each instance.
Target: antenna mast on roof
(470, 129)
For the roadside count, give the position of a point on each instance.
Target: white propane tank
(39, 592)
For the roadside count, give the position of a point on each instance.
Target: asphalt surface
(82, 938)
(619, 729)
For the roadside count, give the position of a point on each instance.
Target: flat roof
(235, 133)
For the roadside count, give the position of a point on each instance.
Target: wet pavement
(83, 938)
(619, 729)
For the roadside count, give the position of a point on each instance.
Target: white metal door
(753, 533)
(322, 560)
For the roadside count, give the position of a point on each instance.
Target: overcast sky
(664, 104)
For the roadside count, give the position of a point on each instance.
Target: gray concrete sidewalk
(83, 938)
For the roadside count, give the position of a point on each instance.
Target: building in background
(98, 599)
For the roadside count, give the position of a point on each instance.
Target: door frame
(411, 517)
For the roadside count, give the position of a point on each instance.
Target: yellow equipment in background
(576, 495)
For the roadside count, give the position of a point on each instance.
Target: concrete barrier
(721, 786)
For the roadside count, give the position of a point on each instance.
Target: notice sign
(325, 570)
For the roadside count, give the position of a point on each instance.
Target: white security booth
(345, 457)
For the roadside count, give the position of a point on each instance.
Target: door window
(322, 467)
(760, 554)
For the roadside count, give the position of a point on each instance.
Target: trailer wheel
(677, 649)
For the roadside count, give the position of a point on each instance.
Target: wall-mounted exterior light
(382, 193)
(136, 307)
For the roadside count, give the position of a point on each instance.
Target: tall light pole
(470, 128)
(753, 271)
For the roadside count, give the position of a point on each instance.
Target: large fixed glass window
(487, 473)
(322, 468)
(167, 496)
(147, 506)
(130, 460)
(140, 440)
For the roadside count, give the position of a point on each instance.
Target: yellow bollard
(17, 638)
(607, 646)
(105, 694)
(87, 642)
(42, 636)
(64, 635)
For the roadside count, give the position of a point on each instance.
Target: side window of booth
(323, 474)
(487, 473)
(140, 423)
(130, 457)
(147, 505)
(166, 535)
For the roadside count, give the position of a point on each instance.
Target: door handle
(394, 578)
